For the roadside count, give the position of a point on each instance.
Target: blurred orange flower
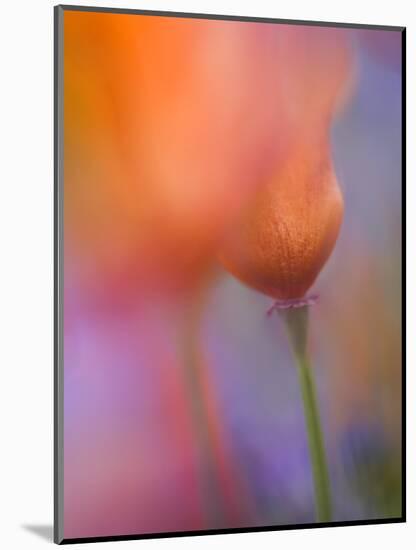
(170, 127)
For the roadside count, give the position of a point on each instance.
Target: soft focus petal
(171, 125)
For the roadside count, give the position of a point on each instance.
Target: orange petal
(171, 126)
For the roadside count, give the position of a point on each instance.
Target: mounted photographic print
(229, 213)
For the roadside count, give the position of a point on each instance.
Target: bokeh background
(182, 408)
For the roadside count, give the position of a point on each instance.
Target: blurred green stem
(296, 321)
(208, 467)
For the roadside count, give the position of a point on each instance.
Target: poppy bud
(284, 239)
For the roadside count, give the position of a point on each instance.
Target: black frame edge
(270, 528)
(404, 277)
(213, 16)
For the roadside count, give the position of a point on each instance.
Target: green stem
(297, 326)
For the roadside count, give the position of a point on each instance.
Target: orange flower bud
(285, 238)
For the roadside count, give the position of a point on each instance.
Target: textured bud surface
(285, 238)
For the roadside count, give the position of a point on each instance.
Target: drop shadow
(43, 531)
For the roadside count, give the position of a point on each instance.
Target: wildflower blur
(172, 126)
